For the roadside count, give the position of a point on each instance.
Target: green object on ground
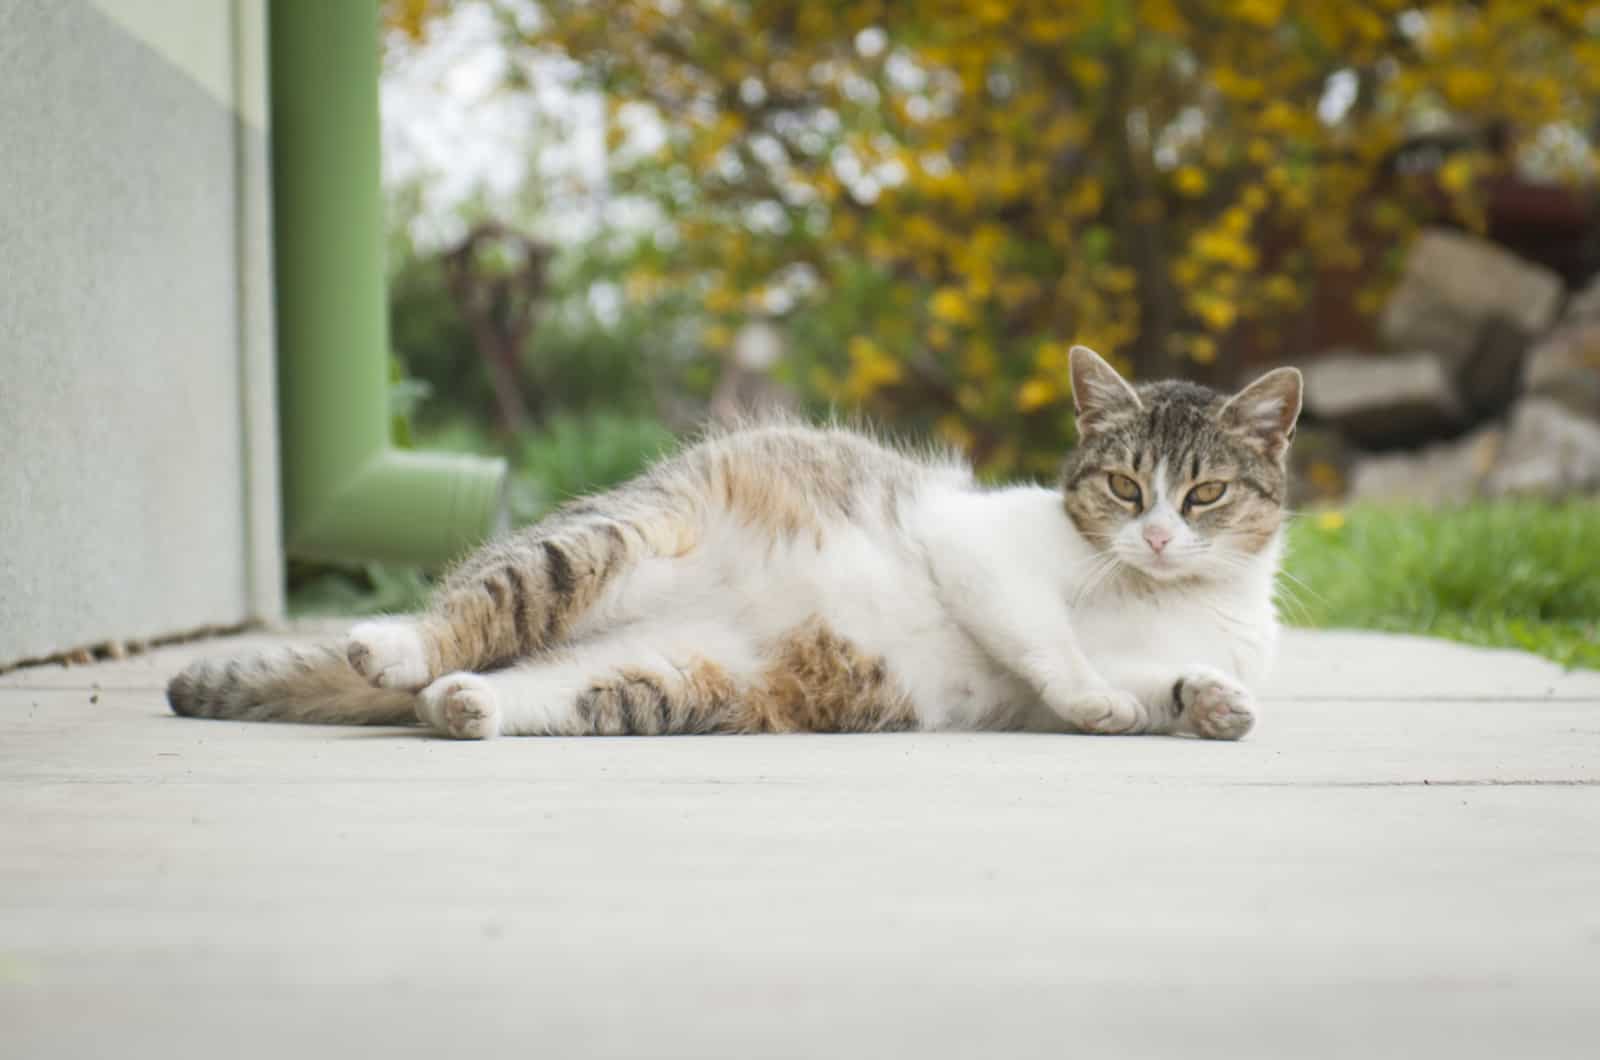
(1509, 574)
(348, 496)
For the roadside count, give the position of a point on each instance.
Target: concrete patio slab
(1402, 861)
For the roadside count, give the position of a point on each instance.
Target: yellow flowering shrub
(952, 192)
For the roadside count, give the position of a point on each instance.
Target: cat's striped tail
(288, 684)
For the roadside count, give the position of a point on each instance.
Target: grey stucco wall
(138, 491)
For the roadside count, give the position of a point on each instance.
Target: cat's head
(1175, 480)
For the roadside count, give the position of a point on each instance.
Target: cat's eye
(1124, 488)
(1205, 493)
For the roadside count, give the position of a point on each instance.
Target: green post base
(348, 496)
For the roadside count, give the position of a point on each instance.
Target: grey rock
(1437, 475)
(1565, 367)
(1384, 401)
(1489, 380)
(1453, 283)
(1544, 450)
(1549, 451)
(1585, 305)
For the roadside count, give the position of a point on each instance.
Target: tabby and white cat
(785, 578)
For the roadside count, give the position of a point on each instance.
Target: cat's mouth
(1165, 567)
(1161, 566)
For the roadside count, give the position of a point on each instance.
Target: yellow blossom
(1458, 174)
(1467, 86)
(1008, 224)
(870, 368)
(1090, 73)
(1036, 393)
(1217, 312)
(1263, 13)
(1190, 181)
(721, 300)
(1086, 198)
(951, 306)
(1119, 280)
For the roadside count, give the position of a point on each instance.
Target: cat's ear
(1097, 389)
(1265, 411)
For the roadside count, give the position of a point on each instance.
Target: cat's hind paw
(462, 705)
(389, 653)
(1214, 705)
(1108, 712)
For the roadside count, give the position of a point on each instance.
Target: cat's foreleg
(646, 683)
(1197, 700)
(1213, 705)
(1028, 629)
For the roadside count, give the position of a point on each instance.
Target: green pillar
(347, 494)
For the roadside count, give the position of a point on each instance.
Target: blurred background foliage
(942, 197)
(937, 198)
(931, 201)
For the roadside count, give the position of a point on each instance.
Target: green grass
(1516, 575)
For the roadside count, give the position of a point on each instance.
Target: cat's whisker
(1284, 574)
(1285, 593)
(1107, 565)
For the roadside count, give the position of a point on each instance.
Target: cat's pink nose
(1157, 538)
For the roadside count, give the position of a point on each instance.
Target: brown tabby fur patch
(817, 681)
(697, 698)
(813, 680)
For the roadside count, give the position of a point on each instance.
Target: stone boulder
(1584, 306)
(1490, 378)
(1454, 283)
(1384, 401)
(1438, 475)
(1544, 450)
(1565, 367)
(1548, 451)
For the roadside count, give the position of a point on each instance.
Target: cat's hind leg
(525, 593)
(641, 683)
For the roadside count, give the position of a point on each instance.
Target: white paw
(1215, 705)
(462, 705)
(1107, 712)
(389, 653)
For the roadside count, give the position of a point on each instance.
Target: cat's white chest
(1130, 637)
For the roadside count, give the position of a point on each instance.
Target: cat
(784, 578)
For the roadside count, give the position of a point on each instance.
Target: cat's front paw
(1107, 712)
(389, 653)
(462, 705)
(1214, 705)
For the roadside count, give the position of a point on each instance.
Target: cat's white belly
(864, 584)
